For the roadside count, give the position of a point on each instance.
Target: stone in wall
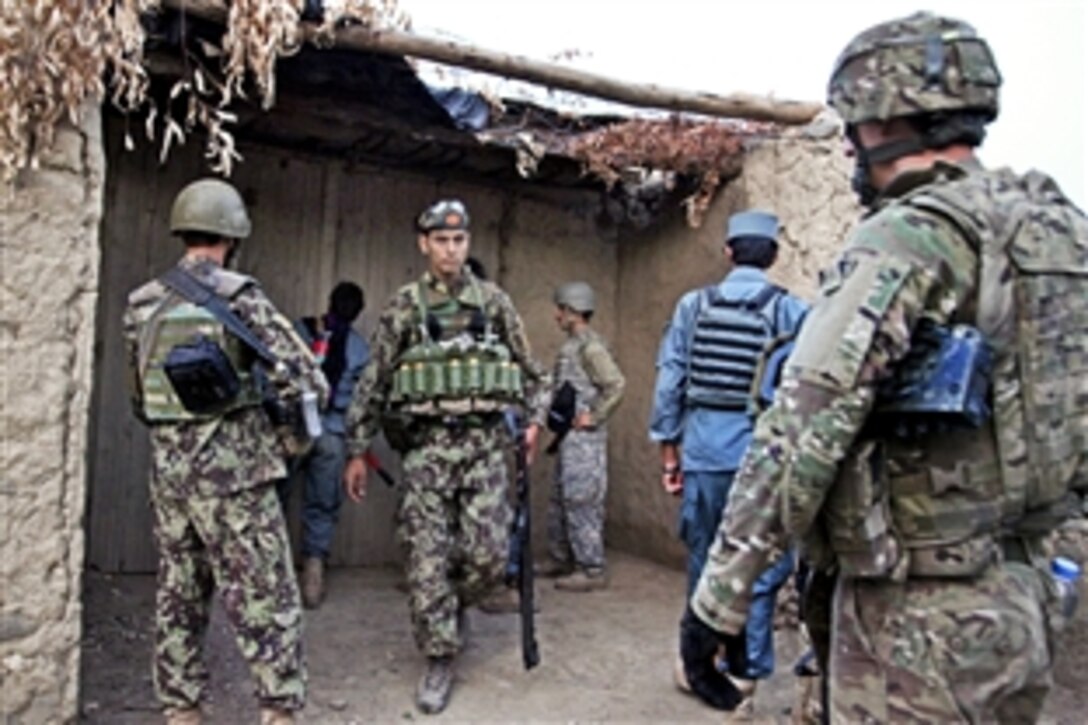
(49, 256)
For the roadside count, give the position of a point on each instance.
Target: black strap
(713, 297)
(192, 289)
(768, 293)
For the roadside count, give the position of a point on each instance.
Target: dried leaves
(708, 150)
(54, 55)
(57, 55)
(259, 32)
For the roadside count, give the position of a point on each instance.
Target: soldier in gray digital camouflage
(449, 355)
(925, 521)
(215, 459)
(588, 387)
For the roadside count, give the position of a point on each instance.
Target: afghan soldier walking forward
(923, 503)
(218, 524)
(449, 355)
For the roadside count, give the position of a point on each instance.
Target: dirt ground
(607, 657)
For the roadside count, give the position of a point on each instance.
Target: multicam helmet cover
(923, 63)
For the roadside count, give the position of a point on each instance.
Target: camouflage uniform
(941, 611)
(454, 515)
(218, 524)
(576, 510)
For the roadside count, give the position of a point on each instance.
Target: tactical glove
(699, 646)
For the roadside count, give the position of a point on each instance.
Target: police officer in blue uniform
(703, 410)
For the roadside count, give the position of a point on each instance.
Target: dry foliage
(58, 55)
(54, 57)
(707, 150)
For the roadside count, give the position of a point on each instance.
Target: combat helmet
(578, 296)
(211, 206)
(920, 64)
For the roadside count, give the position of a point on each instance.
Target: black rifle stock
(519, 566)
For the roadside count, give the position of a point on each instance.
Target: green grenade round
(456, 378)
(473, 376)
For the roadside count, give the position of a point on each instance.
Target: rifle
(561, 415)
(519, 564)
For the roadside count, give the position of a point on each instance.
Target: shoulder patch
(854, 296)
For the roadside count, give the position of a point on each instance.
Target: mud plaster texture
(805, 180)
(48, 288)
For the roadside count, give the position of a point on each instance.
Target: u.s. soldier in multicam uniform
(218, 524)
(942, 609)
(449, 354)
(576, 509)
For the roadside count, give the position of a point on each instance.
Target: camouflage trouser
(940, 650)
(238, 546)
(454, 524)
(576, 508)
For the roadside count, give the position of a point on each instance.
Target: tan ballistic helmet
(578, 296)
(211, 206)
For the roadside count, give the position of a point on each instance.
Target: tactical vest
(726, 342)
(457, 364)
(176, 321)
(947, 499)
(570, 368)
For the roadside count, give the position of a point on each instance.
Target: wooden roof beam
(393, 42)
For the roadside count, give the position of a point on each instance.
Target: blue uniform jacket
(711, 440)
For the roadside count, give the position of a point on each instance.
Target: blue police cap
(760, 224)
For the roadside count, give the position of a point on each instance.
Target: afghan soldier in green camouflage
(449, 355)
(929, 535)
(576, 510)
(218, 524)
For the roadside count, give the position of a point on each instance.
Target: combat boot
(582, 581)
(276, 716)
(435, 686)
(313, 582)
(183, 716)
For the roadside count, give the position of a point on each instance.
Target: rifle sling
(192, 289)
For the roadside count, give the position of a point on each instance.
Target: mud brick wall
(49, 258)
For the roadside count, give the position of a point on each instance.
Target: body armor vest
(457, 364)
(175, 322)
(948, 498)
(727, 340)
(570, 368)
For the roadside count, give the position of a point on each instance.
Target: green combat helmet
(578, 296)
(919, 64)
(210, 206)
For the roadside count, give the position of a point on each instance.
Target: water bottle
(1066, 573)
(311, 416)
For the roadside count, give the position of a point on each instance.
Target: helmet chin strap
(862, 180)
